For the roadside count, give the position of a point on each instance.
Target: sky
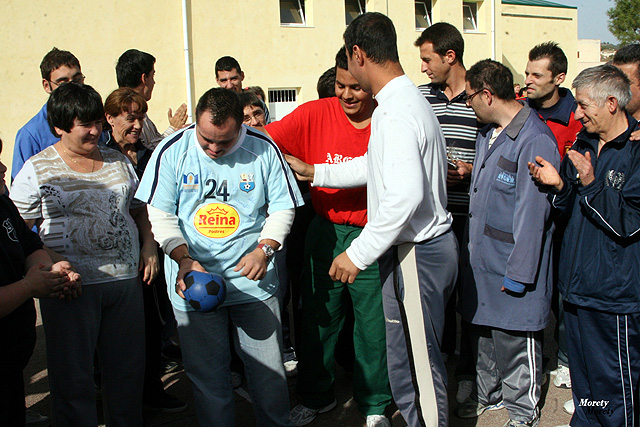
(592, 19)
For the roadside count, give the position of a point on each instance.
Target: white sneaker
(569, 407)
(291, 368)
(464, 390)
(301, 415)
(563, 378)
(377, 421)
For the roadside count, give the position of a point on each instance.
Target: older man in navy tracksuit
(598, 186)
(507, 279)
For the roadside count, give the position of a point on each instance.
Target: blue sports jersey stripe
(283, 163)
(156, 170)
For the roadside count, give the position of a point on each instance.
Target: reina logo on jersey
(190, 182)
(246, 182)
(216, 220)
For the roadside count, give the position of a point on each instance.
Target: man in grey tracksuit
(507, 279)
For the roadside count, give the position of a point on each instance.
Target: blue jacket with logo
(509, 228)
(601, 245)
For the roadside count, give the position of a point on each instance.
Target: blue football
(205, 291)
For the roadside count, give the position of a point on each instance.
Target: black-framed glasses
(470, 97)
(78, 79)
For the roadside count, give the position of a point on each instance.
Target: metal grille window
(282, 102)
(423, 14)
(354, 8)
(292, 12)
(470, 16)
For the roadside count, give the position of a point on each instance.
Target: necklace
(93, 160)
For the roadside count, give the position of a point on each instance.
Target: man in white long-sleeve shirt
(409, 227)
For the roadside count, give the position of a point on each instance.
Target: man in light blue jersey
(222, 200)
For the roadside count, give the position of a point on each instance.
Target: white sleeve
(401, 193)
(349, 174)
(166, 229)
(277, 225)
(25, 192)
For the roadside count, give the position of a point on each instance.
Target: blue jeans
(205, 342)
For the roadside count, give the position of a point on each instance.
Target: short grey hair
(602, 82)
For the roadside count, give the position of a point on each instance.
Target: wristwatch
(267, 249)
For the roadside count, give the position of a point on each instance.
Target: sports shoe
(569, 407)
(515, 423)
(472, 409)
(464, 390)
(301, 415)
(291, 368)
(34, 419)
(168, 366)
(562, 379)
(377, 421)
(164, 402)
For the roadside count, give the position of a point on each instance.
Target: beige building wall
(271, 55)
(523, 27)
(588, 54)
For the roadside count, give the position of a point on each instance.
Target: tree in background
(624, 21)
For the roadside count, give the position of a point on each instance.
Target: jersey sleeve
(282, 190)
(159, 186)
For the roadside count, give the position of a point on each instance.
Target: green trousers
(323, 303)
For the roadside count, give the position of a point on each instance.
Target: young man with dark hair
(221, 199)
(333, 130)
(408, 228)
(57, 68)
(597, 188)
(230, 76)
(136, 70)
(507, 279)
(627, 58)
(546, 71)
(441, 49)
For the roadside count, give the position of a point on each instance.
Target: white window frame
(362, 7)
(301, 12)
(428, 10)
(282, 101)
(472, 7)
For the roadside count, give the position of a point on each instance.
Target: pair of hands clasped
(57, 282)
(546, 174)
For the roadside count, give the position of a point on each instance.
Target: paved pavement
(345, 414)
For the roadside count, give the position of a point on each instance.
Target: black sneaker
(164, 402)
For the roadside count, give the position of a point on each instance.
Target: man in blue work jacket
(507, 278)
(598, 186)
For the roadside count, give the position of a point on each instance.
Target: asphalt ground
(344, 415)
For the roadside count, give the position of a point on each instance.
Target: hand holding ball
(205, 291)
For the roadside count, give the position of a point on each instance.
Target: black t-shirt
(17, 329)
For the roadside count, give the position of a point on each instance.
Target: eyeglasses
(257, 114)
(470, 97)
(78, 79)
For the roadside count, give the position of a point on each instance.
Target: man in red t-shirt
(335, 130)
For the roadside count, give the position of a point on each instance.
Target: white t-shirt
(85, 216)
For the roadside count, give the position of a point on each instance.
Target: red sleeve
(288, 133)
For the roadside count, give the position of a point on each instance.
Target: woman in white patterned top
(80, 195)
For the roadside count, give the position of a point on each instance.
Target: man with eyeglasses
(506, 268)
(57, 68)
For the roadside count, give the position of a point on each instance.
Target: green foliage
(624, 21)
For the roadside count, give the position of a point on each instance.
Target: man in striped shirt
(441, 49)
